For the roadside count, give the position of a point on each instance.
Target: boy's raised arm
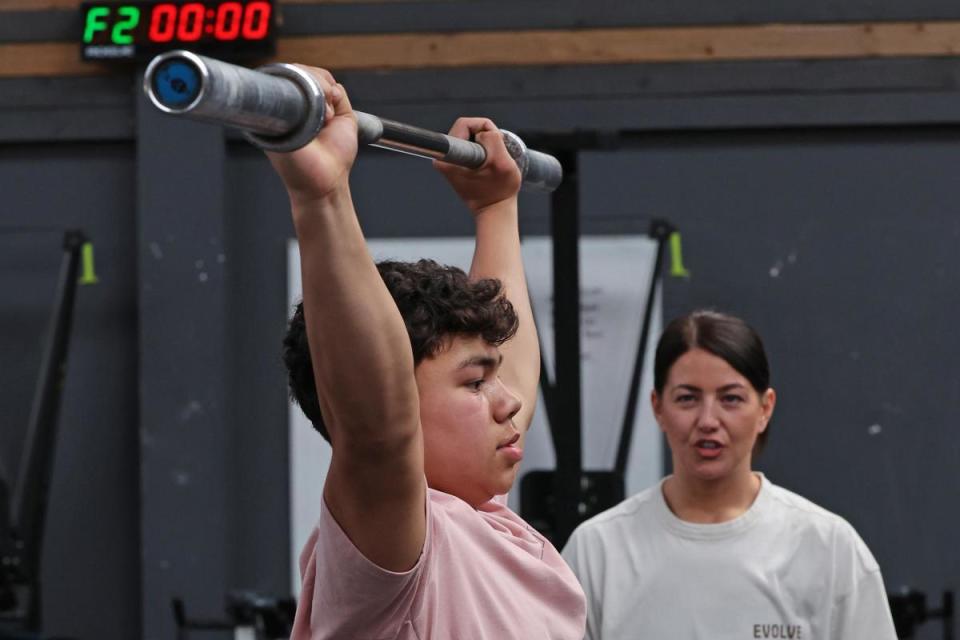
(360, 351)
(491, 195)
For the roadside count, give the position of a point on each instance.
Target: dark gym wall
(865, 214)
(91, 555)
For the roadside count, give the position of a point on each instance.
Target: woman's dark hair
(723, 335)
(435, 301)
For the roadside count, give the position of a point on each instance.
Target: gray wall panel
(67, 109)
(472, 15)
(257, 224)
(186, 437)
(91, 551)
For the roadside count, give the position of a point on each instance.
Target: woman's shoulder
(814, 522)
(794, 506)
(637, 507)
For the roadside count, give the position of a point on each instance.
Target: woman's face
(711, 416)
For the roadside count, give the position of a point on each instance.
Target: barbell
(280, 107)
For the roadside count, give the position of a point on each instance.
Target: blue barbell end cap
(176, 83)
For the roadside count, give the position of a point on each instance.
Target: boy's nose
(508, 404)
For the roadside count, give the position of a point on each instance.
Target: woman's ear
(656, 403)
(767, 403)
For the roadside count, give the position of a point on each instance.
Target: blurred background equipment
(250, 616)
(23, 502)
(910, 611)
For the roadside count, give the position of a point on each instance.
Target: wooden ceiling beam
(560, 47)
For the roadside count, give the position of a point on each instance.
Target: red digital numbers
(256, 20)
(190, 24)
(163, 23)
(228, 21)
(224, 21)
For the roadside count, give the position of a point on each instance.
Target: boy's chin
(505, 484)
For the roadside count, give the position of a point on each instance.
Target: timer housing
(139, 31)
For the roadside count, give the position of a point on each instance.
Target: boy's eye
(475, 384)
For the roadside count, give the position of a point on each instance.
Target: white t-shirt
(785, 568)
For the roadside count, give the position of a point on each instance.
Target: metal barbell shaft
(280, 107)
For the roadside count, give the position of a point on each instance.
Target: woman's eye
(475, 384)
(686, 398)
(732, 399)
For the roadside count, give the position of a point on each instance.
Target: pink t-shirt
(484, 574)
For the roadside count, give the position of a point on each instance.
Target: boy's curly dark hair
(435, 301)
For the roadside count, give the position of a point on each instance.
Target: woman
(716, 550)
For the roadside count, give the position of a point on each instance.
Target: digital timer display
(226, 28)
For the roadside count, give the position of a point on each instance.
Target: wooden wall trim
(46, 59)
(626, 46)
(560, 47)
